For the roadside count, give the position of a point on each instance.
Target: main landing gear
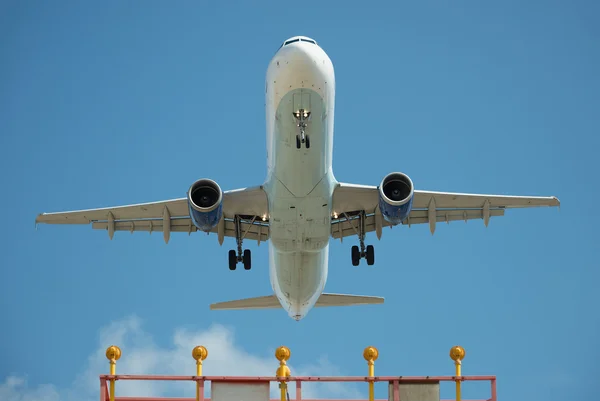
(302, 117)
(367, 252)
(235, 257)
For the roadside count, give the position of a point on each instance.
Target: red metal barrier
(113, 354)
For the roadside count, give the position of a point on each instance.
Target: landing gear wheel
(370, 256)
(232, 260)
(307, 142)
(298, 142)
(355, 255)
(247, 259)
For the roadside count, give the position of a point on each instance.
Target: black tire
(355, 255)
(370, 255)
(298, 142)
(247, 258)
(307, 142)
(232, 260)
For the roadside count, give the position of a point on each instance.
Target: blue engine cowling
(205, 201)
(396, 197)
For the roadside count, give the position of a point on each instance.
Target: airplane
(300, 206)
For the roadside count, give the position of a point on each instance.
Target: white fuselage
(299, 182)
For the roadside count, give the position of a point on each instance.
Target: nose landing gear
(302, 116)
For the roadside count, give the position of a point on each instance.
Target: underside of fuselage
(300, 94)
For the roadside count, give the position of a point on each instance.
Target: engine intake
(395, 197)
(205, 201)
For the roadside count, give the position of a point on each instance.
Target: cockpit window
(287, 42)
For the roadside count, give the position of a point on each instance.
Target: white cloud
(15, 389)
(142, 356)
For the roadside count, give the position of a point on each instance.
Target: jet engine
(205, 201)
(396, 197)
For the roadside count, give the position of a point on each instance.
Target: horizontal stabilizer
(271, 302)
(268, 302)
(346, 300)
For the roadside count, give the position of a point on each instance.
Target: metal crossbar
(201, 380)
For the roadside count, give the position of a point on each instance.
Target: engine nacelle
(205, 201)
(396, 197)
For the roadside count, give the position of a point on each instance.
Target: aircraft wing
(350, 200)
(249, 204)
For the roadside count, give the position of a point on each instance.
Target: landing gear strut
(302, 117)
(367, 252)
(235, 257)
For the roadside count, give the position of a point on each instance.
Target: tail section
(271, 302)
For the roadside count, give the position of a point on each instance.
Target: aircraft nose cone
(298, 54)
(296, 312)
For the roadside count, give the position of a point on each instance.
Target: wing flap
(451, 200)
(343, 227)
(257, 230)
(177, 208)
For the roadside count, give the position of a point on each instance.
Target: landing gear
(302, 116)
(367, 252)
(235, 257)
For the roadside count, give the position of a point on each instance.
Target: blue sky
(128, 102)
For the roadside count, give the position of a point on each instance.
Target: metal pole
(113, 353)
(457, 353)
(371, 354)
(199, 353)
(457, 365)
(283, 354)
